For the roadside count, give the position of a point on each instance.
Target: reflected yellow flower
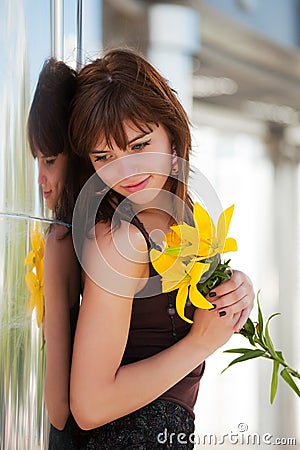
(34, 278)
(37, 245)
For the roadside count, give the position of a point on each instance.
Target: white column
(285, 329)
(57, 29)
(174, 36)
(91, 29)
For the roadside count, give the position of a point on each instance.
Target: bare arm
(61, 280)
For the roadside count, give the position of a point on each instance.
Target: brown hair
(47, 128)
(124, 86)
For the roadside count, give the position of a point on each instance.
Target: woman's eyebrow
(139, 136)
(98, 151)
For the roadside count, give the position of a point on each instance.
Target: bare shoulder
(116, 259)
(59, 249)
(59, 235)
(126, 241)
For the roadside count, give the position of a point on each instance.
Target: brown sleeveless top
(155, 326)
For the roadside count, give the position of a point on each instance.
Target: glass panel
(23, 421)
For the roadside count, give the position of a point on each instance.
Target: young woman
(136, 364)
(48, 139)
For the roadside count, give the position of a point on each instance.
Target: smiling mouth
(137, 186)
(46, 194)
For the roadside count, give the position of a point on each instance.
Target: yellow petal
(40, 271)
(37, 238)
(181, 300)
(196, 270)
(166, 265)
(31, 282)
(198, 299)
(224, 223)
(189, 239)
(33, 232)
(160, 261)
(39, 309)
(203, 222)
(170, 285)
(30, 259)
(171, 239)
(190, 250)
(230, 245)
(31, 303)
(186, 233)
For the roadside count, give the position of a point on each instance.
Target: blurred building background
(236, 67)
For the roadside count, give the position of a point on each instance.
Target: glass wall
(30, 32)
(23, 422)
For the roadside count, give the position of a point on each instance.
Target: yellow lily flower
(35, 277)
(181, 263)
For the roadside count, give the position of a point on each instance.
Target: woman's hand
(234, 297)
(233, 301)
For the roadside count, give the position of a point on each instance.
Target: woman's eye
(140, 146)
(101, 158)
(50, 161)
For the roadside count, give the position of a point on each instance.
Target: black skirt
(159, 425)
(66, 439)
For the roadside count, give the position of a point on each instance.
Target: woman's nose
(41, 177)
(128, 165)
(122, 167)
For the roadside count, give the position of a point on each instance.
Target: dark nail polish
(212, 294)
(222, 313)
(213, 307)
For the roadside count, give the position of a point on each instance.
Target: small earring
(175, 168)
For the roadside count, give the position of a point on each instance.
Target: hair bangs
(43, 136)
(118, 108)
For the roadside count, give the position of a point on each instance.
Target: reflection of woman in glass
(136, 365)
(48, 139)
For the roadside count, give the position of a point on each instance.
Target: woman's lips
(46, 194)
(136, 186)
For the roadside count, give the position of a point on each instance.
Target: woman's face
(142, 169)
(52, 177)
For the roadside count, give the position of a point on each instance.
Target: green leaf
(219, 274)
(249, 355)
(249, 327)
(274, 382)
(268, 339)
(237, 350)
(260, 317)
(289, 380)
(248, 331)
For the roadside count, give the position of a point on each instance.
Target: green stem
(268, 355)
